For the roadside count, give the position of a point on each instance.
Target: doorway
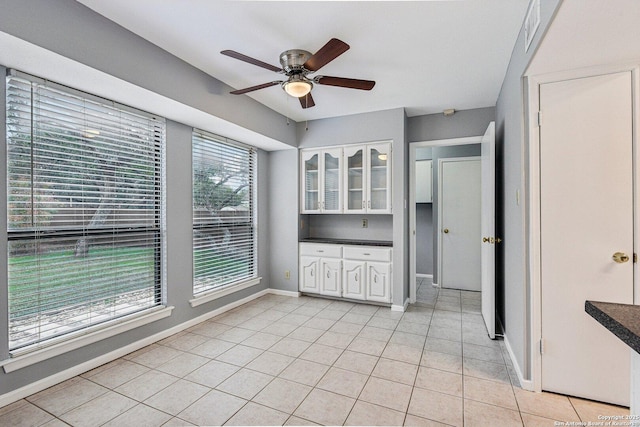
(461, 147)
(586, 214)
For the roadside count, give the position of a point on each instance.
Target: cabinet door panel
(332, 180)
(309, 275)
(353, 283)
(331, 280)
(355, 179)
(311, 183)
(379, 178)
(378, 282)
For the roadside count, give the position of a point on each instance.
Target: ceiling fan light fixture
(297, 86)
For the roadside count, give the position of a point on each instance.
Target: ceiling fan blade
(307, 101)
(252, 88)
(344, 82)
(250, 60)
(326, 54)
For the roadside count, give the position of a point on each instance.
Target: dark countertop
(383, 243)
(623, 320)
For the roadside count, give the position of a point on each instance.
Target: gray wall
(462, 124)
(511, 158)
(77, 32)
(379, 227)
(370, 127)
(283, 219)
(424, 238)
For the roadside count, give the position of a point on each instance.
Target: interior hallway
(304, 361)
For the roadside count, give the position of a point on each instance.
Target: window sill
(219, 293)
(30, 356)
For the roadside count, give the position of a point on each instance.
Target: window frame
(219, 291)
(59, 343)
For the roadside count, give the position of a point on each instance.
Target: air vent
(531, 23)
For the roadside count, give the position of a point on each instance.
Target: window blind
(224, 232)
(84, 210)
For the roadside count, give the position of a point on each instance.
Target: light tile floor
(304, 361)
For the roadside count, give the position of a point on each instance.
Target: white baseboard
(294, 294)
(525, 384)
(29, 389)
(403, 307)
(425, 276)
(435, 285)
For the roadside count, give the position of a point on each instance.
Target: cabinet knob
(445, 231)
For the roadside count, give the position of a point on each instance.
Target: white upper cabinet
(321, 172)
(424, 188)
(367, 178)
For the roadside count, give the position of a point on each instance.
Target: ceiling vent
(531, 23)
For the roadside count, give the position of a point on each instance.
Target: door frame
(412, 198)
(440, 182)
(531, 152)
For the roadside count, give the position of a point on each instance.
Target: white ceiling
(425, 56)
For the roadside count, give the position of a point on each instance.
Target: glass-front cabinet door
(355, 179)
(310, 165)
(331, 181)
(379, 178)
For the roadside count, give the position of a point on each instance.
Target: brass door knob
(445, 231)
(620, 257)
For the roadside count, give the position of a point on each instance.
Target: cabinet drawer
(321, 250)
(367, 253)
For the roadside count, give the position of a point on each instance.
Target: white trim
(294, 294)
(533, 238)
(412, 199)
(525, 384)
(35, 356)
(435, 285)
(424, 276)
(29, 389)
(219, 293)
(401, 308)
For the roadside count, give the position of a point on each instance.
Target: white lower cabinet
(353, 272)
(331, 280)
(378, 281)
(309, 274)
(353, 281)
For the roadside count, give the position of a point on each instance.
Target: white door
(310, 191)
(460, 223)
(488, 226)
(586, 197)
(331, 280)
(353, 282)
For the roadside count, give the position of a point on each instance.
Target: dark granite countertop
(623, 320)
(383, 243)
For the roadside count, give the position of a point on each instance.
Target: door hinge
(635, 258)
(539, 118)
(541, 346)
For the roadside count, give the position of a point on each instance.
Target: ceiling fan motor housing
(292, 61)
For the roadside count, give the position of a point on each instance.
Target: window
(224, 232)
(84, 210)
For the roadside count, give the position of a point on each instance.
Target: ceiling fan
(297, 64)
